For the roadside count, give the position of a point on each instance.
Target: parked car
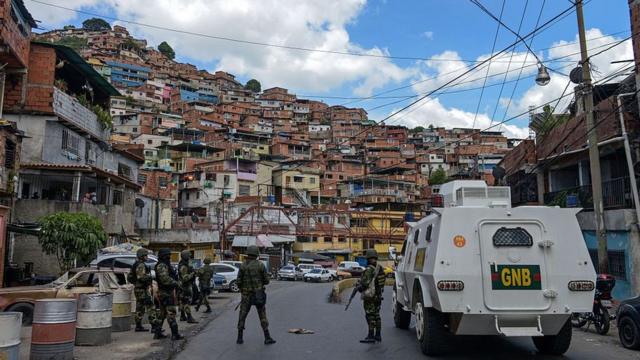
(355, 271)
(124, 261)
(318, 275)
(290, 272)
(305, 268)
(69, 285)
(339, 274)
(230, 273)
(628, 320)
(233, 263)
(219, 282)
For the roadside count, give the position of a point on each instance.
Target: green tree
(166, 50)
(95, 24)
(253, 85)
(438, 177)
(417, 129)
(71, 237)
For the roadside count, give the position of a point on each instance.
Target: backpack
(370, 292)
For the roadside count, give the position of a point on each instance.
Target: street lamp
(543, 77)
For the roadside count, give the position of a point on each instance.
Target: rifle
(353, 294)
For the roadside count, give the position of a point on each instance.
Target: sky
(418, 46)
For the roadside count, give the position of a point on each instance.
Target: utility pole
(594, 153)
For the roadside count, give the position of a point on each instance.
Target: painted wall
(616, 240)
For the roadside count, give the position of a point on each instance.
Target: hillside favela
(151, 199)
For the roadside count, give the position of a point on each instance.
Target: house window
(617, 262)
(186, 196)
(149, 142)
(117, 197)
(135, 130)
(198, 195)
(163, 181)
(70, 143)
(142, 179)
(298, 179)
(124, 171)
(342, 239)
(9, 154)
(226, 180)
(244, 190)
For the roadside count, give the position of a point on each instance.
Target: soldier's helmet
(164, 252)
(253, 251)
(372, 254)
(207, 261)
(185, 255)
(141, 253)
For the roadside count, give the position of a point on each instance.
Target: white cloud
(433, 112)
(52, 17)
(428, 35)
(310, 24)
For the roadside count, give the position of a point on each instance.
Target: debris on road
(301, 331)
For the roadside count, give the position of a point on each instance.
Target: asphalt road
(302, 305)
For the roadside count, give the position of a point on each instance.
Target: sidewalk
(131, 345)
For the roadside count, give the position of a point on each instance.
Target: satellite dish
(576, 75)
(498, 172)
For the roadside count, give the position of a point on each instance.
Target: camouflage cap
(371, 254)
(207, 261)
(185, 255)
(142, 253)
(164, 252)
(253, 251)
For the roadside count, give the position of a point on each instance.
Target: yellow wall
(263, 177)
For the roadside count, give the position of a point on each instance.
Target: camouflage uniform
(204, 278)
(167, 284)
(252, 279)
(187, 277)
(372, 305)
(144, 301)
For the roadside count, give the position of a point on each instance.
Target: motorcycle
(599, 316)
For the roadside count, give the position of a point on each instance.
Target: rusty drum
(54, 329)
(121, 310)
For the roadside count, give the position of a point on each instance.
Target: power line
(524, 12)
(247, 42)
(493, 48)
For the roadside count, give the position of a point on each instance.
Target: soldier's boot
(208, 309)
(370, 339)
(190, 319)
(139, 327)
(183, 316)
(268, 340)
(157, 334)
(175, 335)
(377, 336)
(197, 307)
(239, 340)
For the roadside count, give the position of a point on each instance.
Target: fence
(616, 194)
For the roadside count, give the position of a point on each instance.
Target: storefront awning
(261, 240)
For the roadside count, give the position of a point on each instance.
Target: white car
(346, 265)
(305, 268)
(318, 275)
(290, 272)
(229, 272)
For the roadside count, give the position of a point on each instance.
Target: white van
(305, 268)
(479, 267)
(346, 265)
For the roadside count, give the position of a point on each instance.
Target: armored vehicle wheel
(554, 344)
(401, 318)
(430, 329)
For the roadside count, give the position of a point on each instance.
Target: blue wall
(616, 240)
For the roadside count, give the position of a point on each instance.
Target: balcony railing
(616, 194)
(71, 111)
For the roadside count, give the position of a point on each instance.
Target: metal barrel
(10, 326)
(121, 310)
(94, 319)
(54, 329)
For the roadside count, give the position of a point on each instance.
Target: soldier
(140, 277)
(204, 278)
(252, 279)
(167, 279)
(371, 286)
(187, 278)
